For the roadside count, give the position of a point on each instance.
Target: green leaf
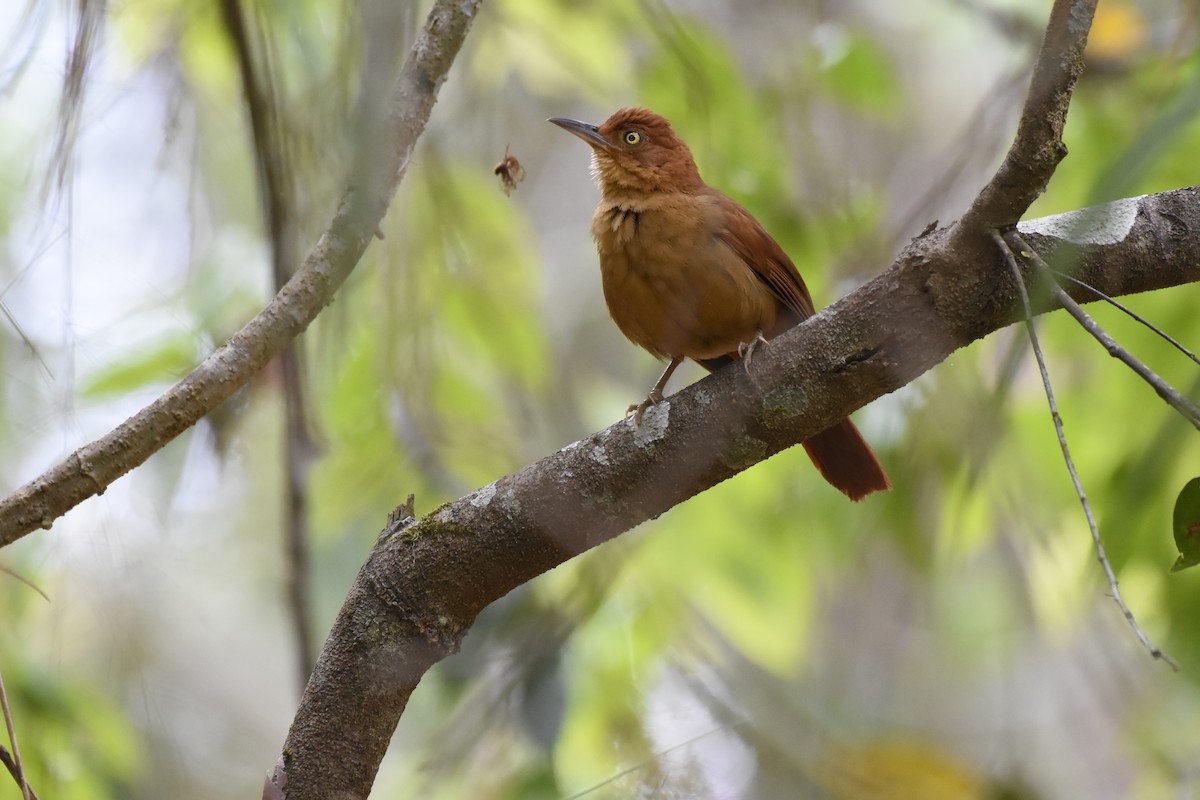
(1187, 526)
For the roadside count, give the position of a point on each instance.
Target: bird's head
(635, 152)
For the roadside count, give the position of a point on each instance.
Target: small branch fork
(1131, 313)
(1009, 253)
(1174, 398)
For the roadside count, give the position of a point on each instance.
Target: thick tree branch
(425, 581)
(90, 469)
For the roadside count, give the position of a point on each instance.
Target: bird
(687, 272)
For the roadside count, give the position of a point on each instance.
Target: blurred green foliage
(767, 639)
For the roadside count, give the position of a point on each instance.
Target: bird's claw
(637, 409)
(746, 349)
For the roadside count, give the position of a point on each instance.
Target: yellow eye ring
(632, 138)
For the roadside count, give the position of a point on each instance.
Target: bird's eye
(632, 138)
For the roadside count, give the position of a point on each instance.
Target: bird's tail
(844, 459)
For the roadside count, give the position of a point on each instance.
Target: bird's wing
(746, 237)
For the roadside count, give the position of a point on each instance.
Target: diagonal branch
(1038, 146)
(426, 580)
(91, 468)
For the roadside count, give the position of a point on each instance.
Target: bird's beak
(584, 130)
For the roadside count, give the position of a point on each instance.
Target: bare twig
(1132, 314)
(7, 313)
(24, 580)
(1175, 399)
(11, 765)
(17, 769)
(1101, 556)
(652, 760)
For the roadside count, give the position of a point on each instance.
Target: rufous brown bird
(689, 273)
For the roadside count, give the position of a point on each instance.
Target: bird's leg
(746, 349)
(656, 394)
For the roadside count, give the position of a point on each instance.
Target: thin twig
(24, 580)
(1101, 556)
(17, 768)
(1130, 312)
(645, 762)
(1173, 397)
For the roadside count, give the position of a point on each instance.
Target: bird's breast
(672, 285)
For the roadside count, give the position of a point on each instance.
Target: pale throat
(616, 188)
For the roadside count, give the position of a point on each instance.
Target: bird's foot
(746, 349)
(654, 398)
